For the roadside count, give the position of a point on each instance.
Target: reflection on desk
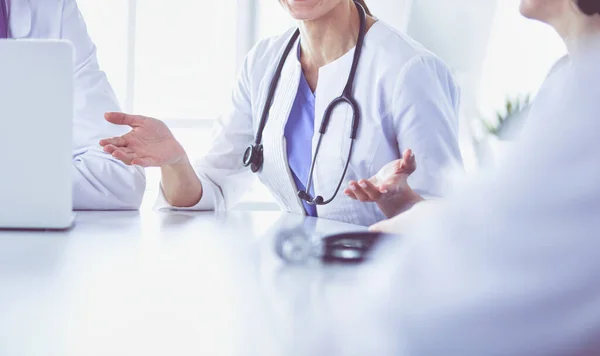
(178, 283)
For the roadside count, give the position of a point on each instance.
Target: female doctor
(344, 101)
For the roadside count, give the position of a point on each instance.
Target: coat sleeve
(426, 104)
(221, 171)
(100, 182)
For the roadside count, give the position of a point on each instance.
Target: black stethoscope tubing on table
(297, 246)
(254, 155)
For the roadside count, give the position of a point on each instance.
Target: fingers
(371, 190)
(408, 164)
(350, 191)
(358, 192)
(406, 155)
(350, 194)
(110, 149)
(123, 156)
(129, 156)
(143, 162)
(364, 191)
(115, 141)
(119, 118)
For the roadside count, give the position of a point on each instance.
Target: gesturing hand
(389, 188)
(150, 143)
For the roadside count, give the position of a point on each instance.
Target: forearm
(100, 183)
(413, 200)
(391, 207)
(181, 185)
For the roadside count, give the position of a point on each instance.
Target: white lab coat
(100, 182)
(408, 99)
(508, 264)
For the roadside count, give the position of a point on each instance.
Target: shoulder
(405, 66)
(576, 83)
(559, 65)
(397, 52)
(268, 50)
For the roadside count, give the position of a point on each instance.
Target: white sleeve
(426, 103)
(100, 182)
(221, 171)
(509, 265)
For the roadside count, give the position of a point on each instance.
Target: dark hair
(588, 7)
(364, 5)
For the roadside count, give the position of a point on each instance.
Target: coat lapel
(276, 168)
(334, 146)
(332, 80)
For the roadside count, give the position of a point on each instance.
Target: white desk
(169, 283)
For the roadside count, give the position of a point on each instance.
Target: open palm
(389, 188)
(150, 143)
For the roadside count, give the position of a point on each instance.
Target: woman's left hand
(389, 188)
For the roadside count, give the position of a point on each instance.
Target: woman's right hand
(150, 143)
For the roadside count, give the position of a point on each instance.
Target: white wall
(493, 50)
(458, 31)
(394, 12)
(520, 54)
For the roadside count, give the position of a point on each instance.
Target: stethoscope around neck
(254, 155)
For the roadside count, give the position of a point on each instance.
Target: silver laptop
(36, 119)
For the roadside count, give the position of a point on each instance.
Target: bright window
(278, 19)
(185, 58)
(520, 54)
(108, 25)
(179, 61)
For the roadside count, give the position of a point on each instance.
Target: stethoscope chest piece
(254, 157)
(296, 246)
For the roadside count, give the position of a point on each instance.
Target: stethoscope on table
(254, 155)
(297, 246)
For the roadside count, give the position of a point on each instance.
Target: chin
(528, 8)
(542, 10)
(305, 10)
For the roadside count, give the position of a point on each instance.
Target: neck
(577, 29)
(330, 37)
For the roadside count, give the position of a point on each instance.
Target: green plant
(513, 108)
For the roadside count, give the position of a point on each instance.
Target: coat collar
(20, 18)
(332, 80)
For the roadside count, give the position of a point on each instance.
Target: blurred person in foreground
(508, 264)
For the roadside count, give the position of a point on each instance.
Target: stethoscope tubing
(253, 156)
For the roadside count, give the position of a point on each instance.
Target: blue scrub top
(299, 132)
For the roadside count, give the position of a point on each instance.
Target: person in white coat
(508, 263)
(101, 182)
(405, 96)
